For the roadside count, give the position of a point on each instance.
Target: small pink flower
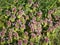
(38, 32)
(49, 29)
(32, 27)
(50, 22)
(19, 42)
(25, 41)
(10, 35)
(20, 12)
(34, 18)
(33, 35)
(23, 26)
(33, 21)
(8, 12)
(59, 23)
(46, 39)
(14, 9)
(39, 13)
(39, 29)
(18, 21)
(3, 33)
(45, 20)
(15, 34)
(50, 11)
(26, 33)
(57, 17)
(8, 23)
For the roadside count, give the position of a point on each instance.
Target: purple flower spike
(19, 42)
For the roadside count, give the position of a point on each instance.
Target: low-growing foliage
(29, 22)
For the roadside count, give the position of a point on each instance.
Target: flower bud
(14, 10)
(8, 23)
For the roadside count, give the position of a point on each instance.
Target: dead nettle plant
(29, 22)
